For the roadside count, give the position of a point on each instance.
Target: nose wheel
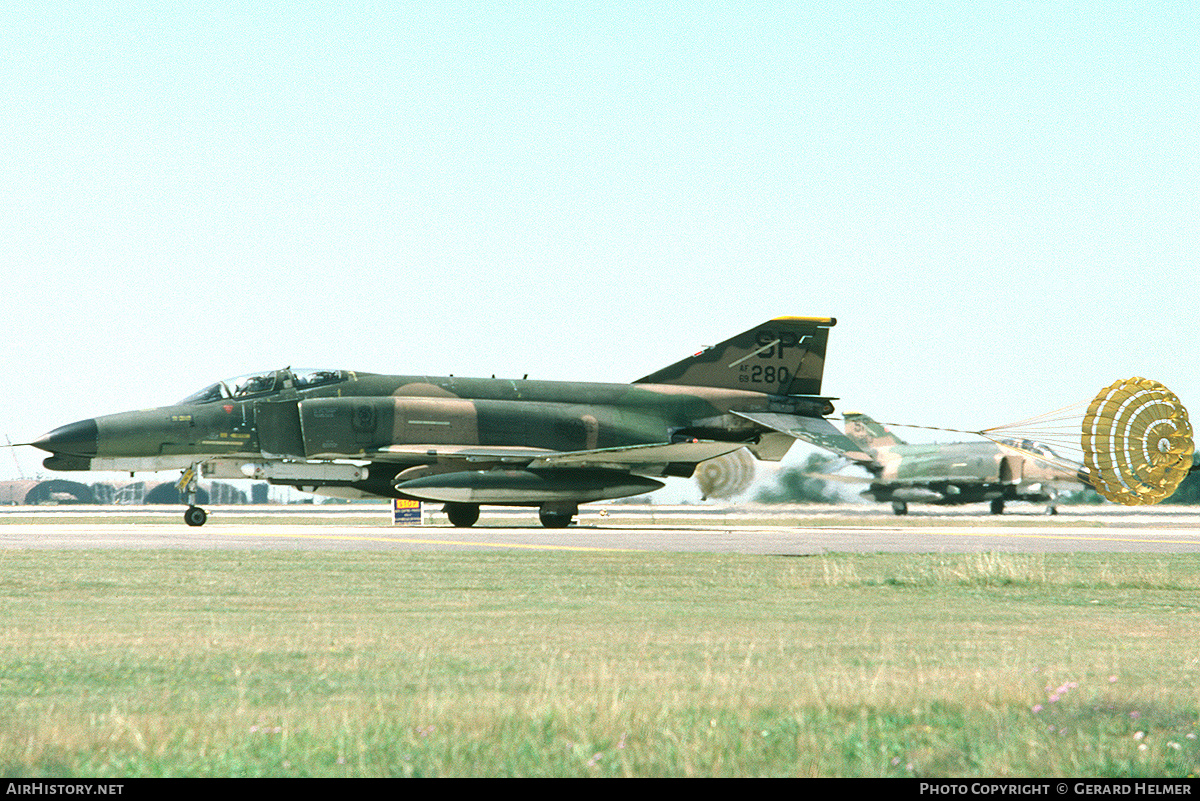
(195, 516)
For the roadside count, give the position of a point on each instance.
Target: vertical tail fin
(783, 356)
(868, 434)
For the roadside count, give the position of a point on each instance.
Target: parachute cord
(1073, 408)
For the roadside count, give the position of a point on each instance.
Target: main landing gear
(462, 514)
(552, 515)
(555, 515)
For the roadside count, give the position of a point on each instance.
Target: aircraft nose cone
(77, 439)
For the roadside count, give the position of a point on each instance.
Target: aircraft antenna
(13, 450)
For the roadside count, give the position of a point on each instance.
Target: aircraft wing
(813, 430)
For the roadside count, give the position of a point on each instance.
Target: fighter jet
(468, 442)
(959, 472)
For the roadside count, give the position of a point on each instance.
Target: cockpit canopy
(257, 384)
(1030, 446)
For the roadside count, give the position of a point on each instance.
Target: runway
(785, 531)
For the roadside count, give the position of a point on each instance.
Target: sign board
(406, 513)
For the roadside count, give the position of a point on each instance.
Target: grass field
(220, 663)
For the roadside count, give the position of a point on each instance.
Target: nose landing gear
(189, 482)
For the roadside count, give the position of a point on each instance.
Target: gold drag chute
(1137, 442)
(725, 476)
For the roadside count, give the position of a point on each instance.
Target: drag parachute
(725, 476)
(1133, 445)
(1137, 442)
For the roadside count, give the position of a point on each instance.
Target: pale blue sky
(997, 201)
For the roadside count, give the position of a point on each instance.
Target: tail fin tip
(783, 356)
(867, 432)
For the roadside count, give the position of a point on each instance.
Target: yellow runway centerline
(417, 541)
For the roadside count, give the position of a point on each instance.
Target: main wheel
(555, 519)
(900, 507)
(462, 514)
(195, 516)
(998, 506)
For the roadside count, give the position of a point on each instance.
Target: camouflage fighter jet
(467, 442)
(957, 473)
